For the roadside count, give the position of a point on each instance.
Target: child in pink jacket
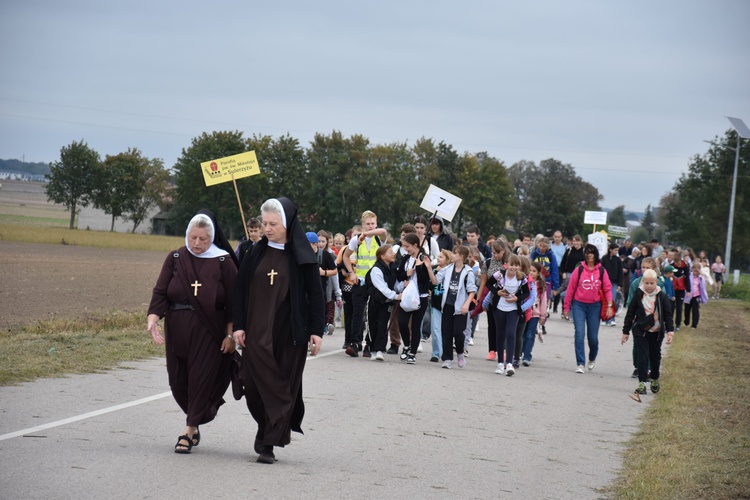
(538, 313)
(695, 296)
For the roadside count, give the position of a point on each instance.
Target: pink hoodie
(586, 289)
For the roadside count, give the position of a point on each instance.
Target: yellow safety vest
(365, 259)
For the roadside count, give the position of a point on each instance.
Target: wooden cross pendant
(272, 274)
(195, 288)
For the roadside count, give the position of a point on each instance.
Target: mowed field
(44, 281)
(27, 201)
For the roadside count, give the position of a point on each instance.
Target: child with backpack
(538, 313)
(508, 290)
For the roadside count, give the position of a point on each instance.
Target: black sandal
(179, 447)
(196, 437)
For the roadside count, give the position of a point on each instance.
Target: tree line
(336, 177)
(332, 181)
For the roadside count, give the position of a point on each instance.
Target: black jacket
(636, 313)
(423, 276)
(571, 259)
(389, 276)
(613, 266)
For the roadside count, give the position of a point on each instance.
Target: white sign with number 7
(440, 202)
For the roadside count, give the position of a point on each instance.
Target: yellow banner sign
(222, 170)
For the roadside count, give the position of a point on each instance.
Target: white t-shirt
(511, 286)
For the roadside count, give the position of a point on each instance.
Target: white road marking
(96, 413)
(83, 416)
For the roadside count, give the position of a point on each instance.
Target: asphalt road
(372, 430)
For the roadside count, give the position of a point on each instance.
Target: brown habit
(272, 365)
(199, 374)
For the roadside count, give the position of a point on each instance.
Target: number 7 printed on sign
(440, 202)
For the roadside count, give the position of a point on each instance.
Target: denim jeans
(437, 338)
(586, 318)
(529, 338)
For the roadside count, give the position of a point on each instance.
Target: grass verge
(694, 440)
(86, 344)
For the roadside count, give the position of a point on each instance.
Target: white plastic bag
(410, 297)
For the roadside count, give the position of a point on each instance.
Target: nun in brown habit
(278, 304)
(194, 295)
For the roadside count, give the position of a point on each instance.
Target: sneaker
(419, 347)
(352, 350)
(447, 364)
(641, 389)
(425, 339)
(635, 373)
(516, 364)
(592, 364)
(579, 369)
(614, 323)
(509, 370)
(461, 361)
(677, 328)
(526, 362)
(500, 370)
(392, 350)
(411, 359)
(471, 341)
(366, 351)
(434, 359)
(330, 328)
(491, 356)
(379, 356)
(404, 353)
(654, 386)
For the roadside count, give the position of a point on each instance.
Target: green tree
(617, 216)
(339, 180)
(191, 192)
(282, 166)
(395, 193)
(551, 197)
(647, 222)
(488, 198)
(697, 213)
(639, 234)
(154, 180)
(118, 183)
(71, 179)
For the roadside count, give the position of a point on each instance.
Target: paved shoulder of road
(372, 430)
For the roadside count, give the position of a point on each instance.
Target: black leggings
(693, 307)
(415, 318)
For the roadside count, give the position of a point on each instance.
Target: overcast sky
(625, 91)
